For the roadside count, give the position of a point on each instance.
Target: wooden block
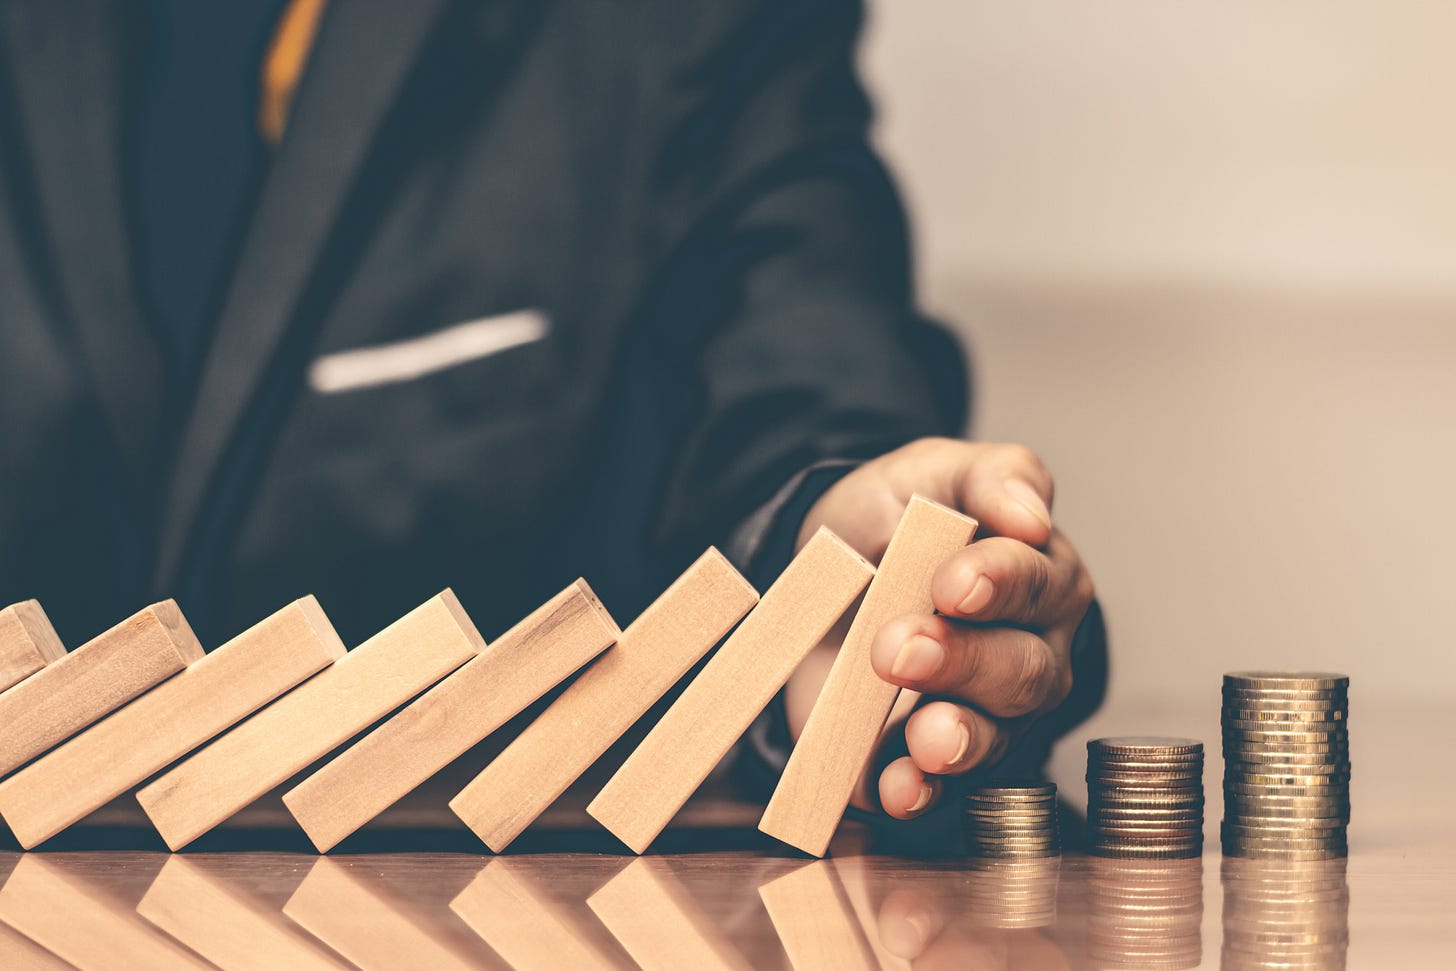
(845, 723)
(650, 657)
(228, 929)
(133, 743)
(28, 642)
(62, 913)
(656, 920)
(516, 669)
(95, 679)
(314, 719)
(723, 700)
(375, 930)
(814, 921)
(522, 925)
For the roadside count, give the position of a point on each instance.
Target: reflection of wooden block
(650, 656)
(532, 932)
(371, 928)
(20, 951)
(655, 919)
(229, 930)
(99, 676)
(814, 922)
(845, 724)
(62, 913)
(348, 696)
(161, 726)
(517, 668)
(717, 708)
(28, 642)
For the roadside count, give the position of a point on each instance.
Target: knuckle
(1029, 690)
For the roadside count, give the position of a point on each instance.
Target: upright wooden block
(651, 655)
(517, 668)
(814, 922)
(846, 721)
(59, 911)
(717, 708)
(228, 929)
(296, 730)
(524, 926)
(95, 679)
(656, 920)
(131, 744)
(28, 642)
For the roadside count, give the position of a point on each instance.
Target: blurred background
(1205, 258)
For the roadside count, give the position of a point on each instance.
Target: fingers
(1008, 490)
(947, 739)
(1004, 671)
(1002, 579)
(905, 791)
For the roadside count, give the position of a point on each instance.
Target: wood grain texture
(228, 929)
(375, 930)
(59, 911)
(657, 921)
(312, 720)
(523, 925)
(516, 669)
(95, 679)
(650, 657)
(814, 921)
(731, 690)
(140, 739)
(846, 720)
(28, 642)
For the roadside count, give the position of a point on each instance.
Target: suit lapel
(69, 79)
(352, 79)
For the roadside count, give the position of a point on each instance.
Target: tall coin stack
(1286, 749)
(1145, 798)
(1012, 821)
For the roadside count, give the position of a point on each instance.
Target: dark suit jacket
(682, 189)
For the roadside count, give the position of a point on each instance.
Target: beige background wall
(1206, 256)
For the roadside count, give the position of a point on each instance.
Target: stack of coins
(1285, 914)
(1145, 914)
(1009, 821)
(1012, 894)
(1145, 798)
(1286, 749)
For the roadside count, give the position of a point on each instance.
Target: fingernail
(1026, 496)
(981, 593)
(918, 659)
(965, 746)
(925, 793)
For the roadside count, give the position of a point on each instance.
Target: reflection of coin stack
(1010, 821)
(1145, 798)
(1012, 894)
(1286, 779)
(1285, 914)
(1145, 913)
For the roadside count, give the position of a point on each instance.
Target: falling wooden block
(133, 743)
(516, 669)
(650, 657)
(296, 730)
(228, 929)
(524, 926)
(731, 690)
(375, 929)
(95, 679)
(814, 921)
(656, 921)
(28, 642)
(846, 720)
(58, 910)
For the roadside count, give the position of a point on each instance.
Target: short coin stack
(1286, 749)
(1145, 798)
(1010, 821)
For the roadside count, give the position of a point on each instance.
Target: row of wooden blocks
(226, 727)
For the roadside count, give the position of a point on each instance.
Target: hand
(997, 652)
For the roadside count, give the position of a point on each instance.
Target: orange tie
(283, 65)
